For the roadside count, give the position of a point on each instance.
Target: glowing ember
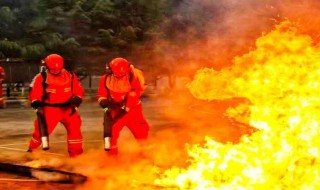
(280, 79)
(35, 165)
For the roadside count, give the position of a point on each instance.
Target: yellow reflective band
(34, 140)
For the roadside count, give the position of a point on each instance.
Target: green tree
(10, 49)
(33, 52)
(6, 15)
(79, 28)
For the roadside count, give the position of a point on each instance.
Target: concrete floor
(173, 123)
(16, 125)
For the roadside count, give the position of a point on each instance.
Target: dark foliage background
(162, 37)
(88, 33)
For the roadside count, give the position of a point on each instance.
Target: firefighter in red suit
(58, 96)
(119, 95)
(2, 75)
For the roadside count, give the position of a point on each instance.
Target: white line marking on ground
(22, 150)
(54, 142)
(81, 111)
(20, 180)
(16, 149)
(50, 153)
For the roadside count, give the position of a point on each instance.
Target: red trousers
(136, 123)
(72, 123)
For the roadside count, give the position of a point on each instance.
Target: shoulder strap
(105, 85)
(44, 77)
(44, 84)
(131, 76)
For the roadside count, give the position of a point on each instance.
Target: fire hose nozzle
(45, 143)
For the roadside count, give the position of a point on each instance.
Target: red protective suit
(125, 91)
(60, 88)
(2, 75)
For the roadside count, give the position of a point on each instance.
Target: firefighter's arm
(36, 89)
(78, 92)
(2, 76)
(102, 92)
(77, 87)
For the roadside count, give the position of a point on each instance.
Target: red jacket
(127, 90)
(60, 88)
(2, 75)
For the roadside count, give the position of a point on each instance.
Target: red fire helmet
(119, 66)
(54, 63)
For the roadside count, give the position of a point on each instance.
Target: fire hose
(43, 174)
(43, 129)
(108, 122)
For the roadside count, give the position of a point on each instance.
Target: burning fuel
(43, 174)
(280, 79)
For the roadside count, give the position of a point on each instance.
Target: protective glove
(75, 101)
(104, 103)
(36, 104)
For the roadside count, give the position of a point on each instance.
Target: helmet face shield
(119, 74)
(54, 63)
(55, 71)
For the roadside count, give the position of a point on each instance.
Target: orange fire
(280, 79)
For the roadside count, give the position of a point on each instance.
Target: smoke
(198, 34)
(211, 33)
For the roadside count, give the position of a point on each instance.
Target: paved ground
(173, 124)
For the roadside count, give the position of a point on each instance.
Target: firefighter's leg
(140, 130)
(138, 124)
(35, 140)
(72, 124)
(117, 126)
(52, 117)
(107, 124)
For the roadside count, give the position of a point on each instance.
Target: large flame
(280, 79)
